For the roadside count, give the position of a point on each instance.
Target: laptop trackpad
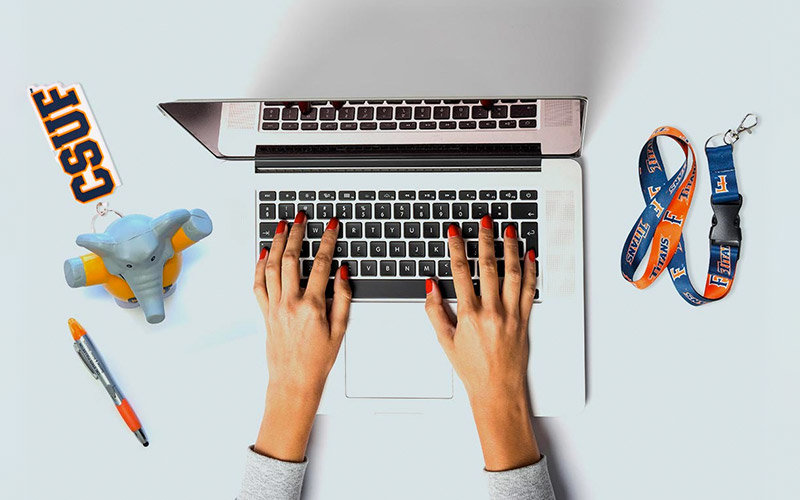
(391, 351)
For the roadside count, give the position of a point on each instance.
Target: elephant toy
(137, 259)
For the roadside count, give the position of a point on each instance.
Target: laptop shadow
(450, 48)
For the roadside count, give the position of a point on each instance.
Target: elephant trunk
(150, 295)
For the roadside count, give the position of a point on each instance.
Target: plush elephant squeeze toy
(137, 259)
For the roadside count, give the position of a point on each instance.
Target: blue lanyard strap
(667, 204)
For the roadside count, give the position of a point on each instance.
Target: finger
(273, 265)
(462, 279)
(260, 281)
(290, 262)
(340, 306)
(321, 270)
(513, 274)
(437, 314)
(528, 286)
(487, 262)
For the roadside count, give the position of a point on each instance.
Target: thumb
(435, 308)
(340, 305)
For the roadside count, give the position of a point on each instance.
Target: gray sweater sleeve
(266, 478)
(526, 483)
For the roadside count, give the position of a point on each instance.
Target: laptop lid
(524, 130)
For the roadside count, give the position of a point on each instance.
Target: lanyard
(668, 202)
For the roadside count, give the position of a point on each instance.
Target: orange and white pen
(91, 358)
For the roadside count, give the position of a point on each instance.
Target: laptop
(397, 172)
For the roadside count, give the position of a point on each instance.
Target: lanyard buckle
(725, 228)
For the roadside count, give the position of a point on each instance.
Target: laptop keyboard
(404, 115)
(392, 241)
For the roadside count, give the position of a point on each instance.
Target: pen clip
(82, 354)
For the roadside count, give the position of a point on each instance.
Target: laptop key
(411, 230)
(369, 268)
(528, 194)
(408, 125)
(402, 210)
(392, 229)
(270, 126)
(530, 233)
(372, 230)
(266, 211)
(383, 210)
(472, 249)
(305, 252)
(366, 195)
(306, 266)
(436, 248)
(467, 195)
(524, 210)
(467, 124)
(308, 208)
(352, 266)
(368, 125)
(348, 126)
(286, 211)
(327, 114)
(327, 195)
(287, 196)
(340, 249)
(447, 125)
(527, 123)
(311, 114)
(469, 230)
(500, 211)
(430, 230)
(290, 114)
(479, 210)
(377, 249)
(508, 123)
(416, 249)
(353, 230)
(408, 268)
(324, 210)
(386, 195)
(427, 268)
(384, 113)
(358, 249)
(267, 229)
(314, 230)
(397, 248)
(347, 113)
(523, 111)
(444, 268)
(500, 111)
(427, 125)
(267, 195)
(365, 113)
(441, 211)
(488, 195)
(479, 112)
(427, 195)
(460, 112)
(487, 124)
(460, 210)
(388, 125)
(402, 113)
(422, 113)
(344, 210)
(508, 195)
(439, 113)
(422, 210)
(388, 268)
(363, 211)
(272, 113)
(447, 195)
(408, 195)
(308, 195)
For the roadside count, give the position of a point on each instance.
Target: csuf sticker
(75, 138)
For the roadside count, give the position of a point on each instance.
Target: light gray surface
(705, 395)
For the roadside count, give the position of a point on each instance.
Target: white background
(683, 402)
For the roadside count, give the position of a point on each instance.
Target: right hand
(487, 343)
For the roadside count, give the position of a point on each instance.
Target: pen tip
(76, 329)
(146, 444)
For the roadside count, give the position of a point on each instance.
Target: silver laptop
(397, 172)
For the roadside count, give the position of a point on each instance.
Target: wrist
(289, 413)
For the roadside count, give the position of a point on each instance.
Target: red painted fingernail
(452, 231)
(262, 254)
(428, 285)
(487, 103)
(304, 106)
(333, 223)
(511, 232)
(344, 272)
(281, 227)
(486, 222)
(300, 218)
(531, 255)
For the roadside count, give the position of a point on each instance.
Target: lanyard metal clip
(747, 124)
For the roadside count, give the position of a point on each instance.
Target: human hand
(303, 335)
(487, 343)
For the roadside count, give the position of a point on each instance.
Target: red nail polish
(486, 222)
(300, 218)
(304, 106)
(262, 254)
(428, 285)
(531, 255)
(281, 227)
(344, 272)
(511, 232)
(452, 231)
(333, 223)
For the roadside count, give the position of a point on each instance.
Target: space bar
(378, 288)
(395, 288)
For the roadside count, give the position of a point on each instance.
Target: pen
(91, 358)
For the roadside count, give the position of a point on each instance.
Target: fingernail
(531, 255)
(486, 222)
(300, 218)
(428, 285)
(333, 223)
(281, 227)
(511, 232)
(262, 254)
(344, 272)
(452, 231)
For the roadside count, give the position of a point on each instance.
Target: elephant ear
(168, 224)
(100, 243)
